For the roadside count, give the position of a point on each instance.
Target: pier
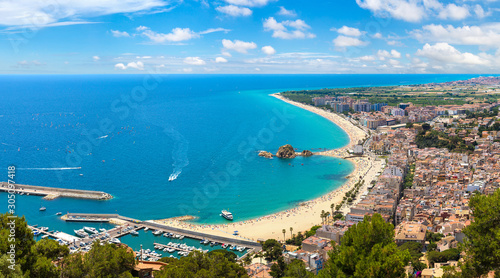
(51, 193)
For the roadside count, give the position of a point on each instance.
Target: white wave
(51, 169)
(10, 145)
(174, 175)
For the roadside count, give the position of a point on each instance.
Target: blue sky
(249, 36)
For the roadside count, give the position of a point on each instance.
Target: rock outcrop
(306, 153)
(265, 154)
(286, 151)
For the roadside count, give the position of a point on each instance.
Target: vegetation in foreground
(367, 250)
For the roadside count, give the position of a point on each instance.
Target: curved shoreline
(303, 217)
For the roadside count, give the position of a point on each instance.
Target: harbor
(160, 240)
(50, 193)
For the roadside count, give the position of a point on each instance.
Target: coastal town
(421, 188)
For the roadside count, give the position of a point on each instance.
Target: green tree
(291, 232)
(43, 268)
(202, 265)
(23, 240)
(272, 249)
(426, 126)
(278, 269)
(7, 272)
(50, 248)
(284, 233)
(228, 254)
(72, 266)
(367, 250)
(409, 125)
(108, 260)
(297, 269)
(483, 235)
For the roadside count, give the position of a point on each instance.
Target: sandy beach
(306, 215)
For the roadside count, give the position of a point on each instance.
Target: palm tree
(322, 217)
(284, 232)
(326, 216)
(332, 206)
(291, 230)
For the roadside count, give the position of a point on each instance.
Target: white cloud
(235, 11)
(96, 58)
(452, 11)
(249, 3)
(119, 34)
(196, 61)
(445, 53)
(479, 11)
(349, 31)
(280, 29)
(268, 50)
(367, 58)
(286, 12)
(343, 41)
(415, 10)
(226, 53)
(400, 9)
(133, 65)
(220, 60)
(177, 34)
(487, 35)
(377, 36)
(395, 54)
(384, 54)
(39, 14)
(238, 46)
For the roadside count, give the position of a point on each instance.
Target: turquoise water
(128, 134)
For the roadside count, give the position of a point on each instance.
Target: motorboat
(59, 213)
(157, 233)
(181, 237)
(90, 230)
(115, 241)
(81, 233)
(134, 233)
(102, 230)
(226, 214)
(43, 208)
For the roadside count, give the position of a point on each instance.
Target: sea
(170, 145)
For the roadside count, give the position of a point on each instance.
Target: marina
(167, 241)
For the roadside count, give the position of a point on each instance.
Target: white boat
(181, 237)
(115, 240)
(226, 214)
(43, 229)
(45, 236)
(146, 229)
(134, 233)
(81, 233)
(59, 213)
(102, 230)
(157, 233)
(90, 230)
(43, 208)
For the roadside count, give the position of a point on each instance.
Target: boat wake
(174, 175)
(179, 152)
(102, 137)
(51, 169)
